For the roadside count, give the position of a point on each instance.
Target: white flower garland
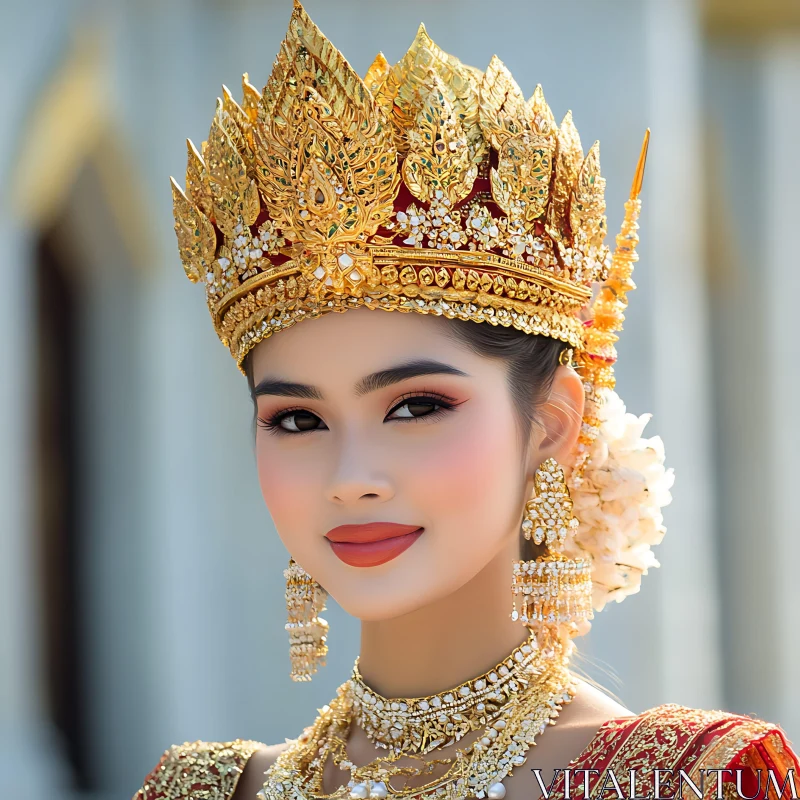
(619, 502)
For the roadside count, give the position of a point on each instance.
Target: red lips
(373, 543)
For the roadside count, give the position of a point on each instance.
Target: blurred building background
(141, 595)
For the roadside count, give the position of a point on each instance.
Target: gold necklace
(417, 725)
(475, 771)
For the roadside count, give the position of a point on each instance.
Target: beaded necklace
(477, 770)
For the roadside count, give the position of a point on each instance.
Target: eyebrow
(369, 383)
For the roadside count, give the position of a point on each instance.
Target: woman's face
(372, 417)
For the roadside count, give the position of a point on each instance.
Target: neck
(450, 641)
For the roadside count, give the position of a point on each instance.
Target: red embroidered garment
(668, 737)
(702, 744)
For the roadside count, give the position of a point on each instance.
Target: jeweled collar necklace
(420, 724)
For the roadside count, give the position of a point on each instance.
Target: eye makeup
(301, 420)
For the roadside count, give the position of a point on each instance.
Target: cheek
(286, 482)
(473, 473)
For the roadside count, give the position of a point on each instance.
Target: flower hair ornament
(434, 187)
(618, 503)
(619, 484)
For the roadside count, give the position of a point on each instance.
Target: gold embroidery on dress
(729, 791)
(665, 737)
(198, 771)
(776, 742)
(662, 740)
(720, 754)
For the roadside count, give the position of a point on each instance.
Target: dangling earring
(553, 590)
(308, 632)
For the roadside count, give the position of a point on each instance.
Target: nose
(357, 475)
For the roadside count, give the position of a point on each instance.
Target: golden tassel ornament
(553, 590)
(308, 632)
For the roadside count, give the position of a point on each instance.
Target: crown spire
(612, 299)
(636, 188)
(596, 361)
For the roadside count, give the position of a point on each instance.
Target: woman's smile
(372, 543)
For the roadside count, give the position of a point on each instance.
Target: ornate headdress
(426, 186)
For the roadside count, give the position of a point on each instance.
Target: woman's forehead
(355, 343)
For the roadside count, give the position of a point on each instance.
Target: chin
(376, 597)
(400, 587)
(368, 608)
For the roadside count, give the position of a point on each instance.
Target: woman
(463, 480)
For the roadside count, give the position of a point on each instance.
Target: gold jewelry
(428, 186)
(305, 599)
(417, 725)
(475, 771)
(553, 590)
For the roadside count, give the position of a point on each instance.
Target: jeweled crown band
(267, 304)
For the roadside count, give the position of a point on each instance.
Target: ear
(559, 421)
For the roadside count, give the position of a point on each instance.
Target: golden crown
(428, 186)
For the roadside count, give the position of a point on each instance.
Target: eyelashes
(274, 423)
(291, 416)
(415, 407)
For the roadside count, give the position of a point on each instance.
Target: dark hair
(532, 361)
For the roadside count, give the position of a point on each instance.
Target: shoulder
(691, 728)
(675, 737)
(211, 770)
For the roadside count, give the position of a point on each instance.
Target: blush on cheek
(284, 490)
(470, 463)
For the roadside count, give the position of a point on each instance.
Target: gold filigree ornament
(429, 186)
(308, 632)
(418, 725)
(476, 770)
(553, 592)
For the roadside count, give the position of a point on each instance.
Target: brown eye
(421, 406)
(417, 407)
(300, 421)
